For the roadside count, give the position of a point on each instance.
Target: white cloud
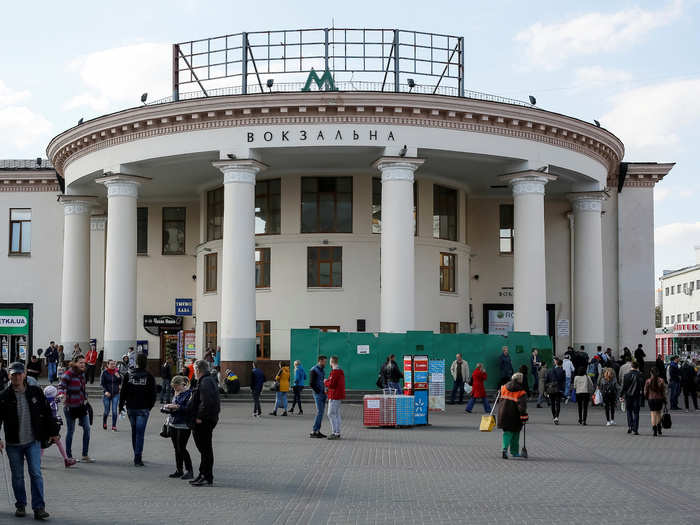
(10, 96)
(20, 127)
(655, 115)
(592, 77)
(660, 194)
(673, 245)
(548, 46)
(115, 78)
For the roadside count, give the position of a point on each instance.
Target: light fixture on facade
(144, 97)
(270, 82)
(411, 84)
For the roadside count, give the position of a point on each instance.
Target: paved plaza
(269, 471)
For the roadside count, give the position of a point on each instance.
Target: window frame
(208, 288)
(379, 208)
(263, 334)
(320, 261)
(213, 206)
(511, 236)
(20, 223)
(168, 221)
(335, 205)
(451, 325)
(264, 264)
(267, 195)
(326, 328)
(451, 269)
(139, 217)
(208, 333)
(439, 193)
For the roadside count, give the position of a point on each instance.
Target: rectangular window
(444, 213)
(448, 328)
(142, 231)
(210, 264)
(326, 205)
(697, 316)
(262, 339)
(673, 319)
(697, 285)
(325, 267)
(215, 214)
(667, 291)
(673, 290)
(20, 231)
(210, 334)
(262, 267)
(667, 320)
(448, 270)
(268, 206)
(678, 288)
(685, 318)
(690, 316)
(377, 206)
(325, 328)
(505, 230)
(174, 231)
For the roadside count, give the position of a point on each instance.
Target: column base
(117, 349)
(241, 368)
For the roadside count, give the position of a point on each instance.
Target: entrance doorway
(168, 347)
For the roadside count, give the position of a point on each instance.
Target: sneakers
(114, 429)
(613, 422)
(20, 512)
(104, 426)
(556, 420)
(608, 423)
(334, 436)
(87, 459)
(69, 462)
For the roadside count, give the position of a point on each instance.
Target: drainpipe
(570, 216)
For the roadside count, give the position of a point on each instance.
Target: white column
(238, 260)
(589, 322)
(98, 230)
(75, 301)
(120, 265)
(529, 272)
(398, 289)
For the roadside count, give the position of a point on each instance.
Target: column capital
(77, 204)
(527, 182)
(397, 168)
(587, 200)
(239, 170)
(97, 222)
(121, 185)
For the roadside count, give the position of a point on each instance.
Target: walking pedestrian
(166, 374)
(138, 395)
(61, 355)
(335, 386)
(257, 378)
(204, 408)
(512, 414)
(392, 374)
(478, 390)
(51, 395)
(51, 355)
(91, 364)
(179, 431)
(282, 378)
(660, 366)
(568, 368)
(674, 382)
(110, 381)
(541, 382)
(123, 365)
(610, 389)
(298, 386)
(505, 366)
(34, 367)
(72, 387)
(28, 421)
(626, 355)
(624, 370)
(535, 365)
(583, 384)
(688, 384)
(655, 392)
(632, 388)
(639, 356)
(556, 383)
(132, 357)
(460, 373)
(317, 377)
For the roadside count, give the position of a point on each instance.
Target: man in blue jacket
(505, 366)
(51, 356)
(257, 378)
(317, 376)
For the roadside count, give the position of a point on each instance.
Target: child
(51, 394)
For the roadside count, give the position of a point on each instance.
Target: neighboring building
(681, 310)
(351, 210)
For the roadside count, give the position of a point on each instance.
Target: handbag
(165, 429)
(467, 388)
(666, 419)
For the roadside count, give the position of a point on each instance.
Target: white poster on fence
(436, 385)
(500, 322)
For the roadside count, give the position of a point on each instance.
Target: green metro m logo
(325, 80)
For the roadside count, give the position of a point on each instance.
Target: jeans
(632, 407)
(297, 398)
(16, 455)
(70, 424)
(458, 386)
(90, 374)
(674, 394)
(280, 401)
(138, 419)
(484, 400)
(397, 387)
(334, 415)
(165, 390)
(256, 403)
(320, 400)
(535, 380)
(51, 367)
(692, 392)
(113, 403)
(180, 437)
(567, 387)
(511, 440)
(582, 400)
(202, 434)
(555, 399)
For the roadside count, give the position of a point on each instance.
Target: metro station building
(404, 203)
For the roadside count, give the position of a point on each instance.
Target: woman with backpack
(609, 387)
(655, 392)
(583, 385)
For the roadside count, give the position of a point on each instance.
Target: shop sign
(14, 322)
(319, 136)
(183, 306)
(686, 328)
(324, 83)
(153, 323)
(500, 322)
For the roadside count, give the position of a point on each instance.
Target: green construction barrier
(361, 365)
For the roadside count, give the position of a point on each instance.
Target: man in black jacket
(632, 388)
(28, 421)
(138, 394)
(204, 410)
(555, 388)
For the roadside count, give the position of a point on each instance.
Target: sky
(631, 65)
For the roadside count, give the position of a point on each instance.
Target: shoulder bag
(666, 418)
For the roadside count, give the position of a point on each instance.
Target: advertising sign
(189, 342)
(421, 407)
(153, 323)
(183, 306)
(142, 346)
(500, 322)
(408, 375)
(420, 372)
(436, 388)
(362, 349)
(14, 322)
(5, 345)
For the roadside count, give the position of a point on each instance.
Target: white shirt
(568, 367)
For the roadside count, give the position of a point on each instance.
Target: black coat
(205, 403)
(43, 423)
(557, 376)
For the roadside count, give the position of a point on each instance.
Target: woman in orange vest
(512, 414)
